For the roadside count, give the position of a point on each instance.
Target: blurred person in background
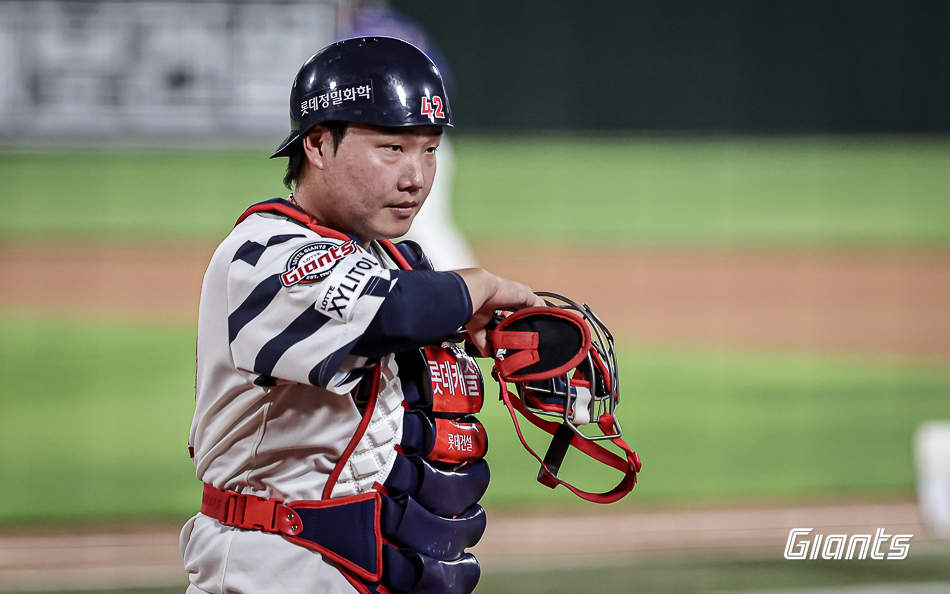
(932, 458)
(434, 225)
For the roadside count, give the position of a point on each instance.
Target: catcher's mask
(562, 362)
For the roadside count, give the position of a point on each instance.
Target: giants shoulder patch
(341, 290)
(314, 262)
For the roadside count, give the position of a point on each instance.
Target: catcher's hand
(489, 293)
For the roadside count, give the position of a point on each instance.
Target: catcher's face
(376, 181)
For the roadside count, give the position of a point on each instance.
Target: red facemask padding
(538, 343)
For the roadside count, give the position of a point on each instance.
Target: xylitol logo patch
(341, 290)
(802, 544)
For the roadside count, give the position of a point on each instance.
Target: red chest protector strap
(358, 534)
(321, 526)
(291, 211)
(281, 206)
(394, 253)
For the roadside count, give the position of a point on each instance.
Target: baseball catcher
(334, 427)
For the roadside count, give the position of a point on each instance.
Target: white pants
(224, 560)
(932, 457)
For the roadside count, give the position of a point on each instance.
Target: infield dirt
(882, 303)
(868, 302)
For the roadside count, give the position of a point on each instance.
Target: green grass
(721, 426)
(94, 420)
(695, 191)
(836, 191)
(696, 576)
(133, 194)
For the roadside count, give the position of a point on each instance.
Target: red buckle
(249, 512)
(259, 513)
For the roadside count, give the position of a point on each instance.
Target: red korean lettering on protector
(455, 379)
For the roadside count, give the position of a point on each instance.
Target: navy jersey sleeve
(422, 308)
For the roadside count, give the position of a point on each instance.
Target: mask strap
(629, 464)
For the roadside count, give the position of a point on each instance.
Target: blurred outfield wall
(197, 68)
(221, 68)
(783, 66)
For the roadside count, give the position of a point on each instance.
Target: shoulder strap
(291, 211)
(360, 431)
(395, 254)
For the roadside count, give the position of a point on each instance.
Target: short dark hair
(297, 160)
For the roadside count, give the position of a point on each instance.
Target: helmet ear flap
(539, 343)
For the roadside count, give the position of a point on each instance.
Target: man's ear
(316, 144)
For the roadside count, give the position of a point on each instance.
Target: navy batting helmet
(380, 81)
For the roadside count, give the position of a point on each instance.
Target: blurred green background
(871, 191)
(103, 405)
(807, 127)
(95, 410)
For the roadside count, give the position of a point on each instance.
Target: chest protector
(409, 534)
